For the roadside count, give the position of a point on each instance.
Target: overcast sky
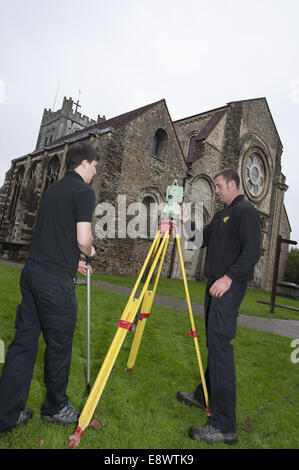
(123, 54)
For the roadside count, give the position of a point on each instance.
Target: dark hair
(229, 174)
(78, 152)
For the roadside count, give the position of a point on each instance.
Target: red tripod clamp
(143, 315)
(167, 225)
(192, 333)
(127, 325)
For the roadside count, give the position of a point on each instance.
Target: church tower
(64, 121)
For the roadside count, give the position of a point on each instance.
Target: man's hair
(229, 174)
(78, 152)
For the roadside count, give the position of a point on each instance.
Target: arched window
(32, 170)
(52, 171)
(191, 147)
(202, 192)
(152, 200)
(151, 225)
(159, 142)
(52, 134)
(17, 188)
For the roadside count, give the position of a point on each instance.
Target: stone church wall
(133, 171)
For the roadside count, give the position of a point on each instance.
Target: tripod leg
(152, 249)
(193, 332)
(124, 324)
(145, 310)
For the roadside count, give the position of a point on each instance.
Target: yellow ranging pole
(158, 249)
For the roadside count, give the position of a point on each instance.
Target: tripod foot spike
(74, 439)
(209, 413)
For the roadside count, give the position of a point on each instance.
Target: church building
(142, 152)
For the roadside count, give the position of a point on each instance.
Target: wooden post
(275, 273)
(280, 240)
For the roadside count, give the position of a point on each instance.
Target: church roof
(216, 116)
(125, 118)
(203, 134)
(210, 125)
(202, 114)
(107, 125)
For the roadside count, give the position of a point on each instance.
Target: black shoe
(210, 434)
(23, 418)
(189, 399)
(67, 415)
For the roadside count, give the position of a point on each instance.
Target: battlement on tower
(64, 121)
(66, 111)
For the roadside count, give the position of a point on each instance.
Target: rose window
(254, 174)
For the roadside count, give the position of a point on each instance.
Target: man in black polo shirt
(233, 241)
(49, 304)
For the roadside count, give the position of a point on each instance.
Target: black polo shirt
(54, 245)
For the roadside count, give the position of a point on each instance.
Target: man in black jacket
(233, 241)
(49, 304)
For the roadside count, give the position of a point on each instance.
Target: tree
(292, 270)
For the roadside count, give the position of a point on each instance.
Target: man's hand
(220, 286)
(82, 268)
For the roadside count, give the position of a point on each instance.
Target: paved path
(288, 328)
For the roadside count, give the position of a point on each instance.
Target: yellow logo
(225, 219)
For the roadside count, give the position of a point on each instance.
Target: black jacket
(233, 240)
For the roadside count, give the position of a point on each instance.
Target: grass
(250, 306)
(138, 410)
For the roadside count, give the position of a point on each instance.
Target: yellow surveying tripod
(145, 300)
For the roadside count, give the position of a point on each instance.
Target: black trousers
(49, 306)
(221, 324)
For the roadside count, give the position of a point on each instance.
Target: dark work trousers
(49, 306)
(221, 324)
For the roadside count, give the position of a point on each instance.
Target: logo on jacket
(225, 219)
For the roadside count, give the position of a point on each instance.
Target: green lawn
(138, 409)
(250, 306)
